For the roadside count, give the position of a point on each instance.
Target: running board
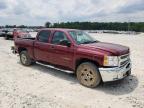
(50, 66)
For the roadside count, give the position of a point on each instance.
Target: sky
(37, 12)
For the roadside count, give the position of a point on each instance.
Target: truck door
(42, 45)
(61, 54)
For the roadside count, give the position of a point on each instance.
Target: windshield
(81, 37)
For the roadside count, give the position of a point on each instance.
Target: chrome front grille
(124, 59)
(124, 62)
(124, 56)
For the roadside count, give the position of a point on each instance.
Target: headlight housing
(111, 61)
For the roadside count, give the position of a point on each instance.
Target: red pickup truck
(92, 61)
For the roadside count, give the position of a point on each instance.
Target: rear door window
(44, 36)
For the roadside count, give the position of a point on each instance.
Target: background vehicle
(11, 33)
(21, 33)
(8, 33)
(92, 61)
(1, 32)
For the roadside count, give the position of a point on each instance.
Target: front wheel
(25, 59)
(88, 74)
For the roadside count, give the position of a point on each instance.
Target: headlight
(111, 61)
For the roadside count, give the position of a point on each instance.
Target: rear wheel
(25, 58)
(88, 74)
(6, 37)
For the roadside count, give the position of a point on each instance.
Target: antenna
(129, 26)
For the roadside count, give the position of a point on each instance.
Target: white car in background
(33, 34)
(8, 33)
(2, 32)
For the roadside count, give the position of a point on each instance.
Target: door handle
(36, 44)
(52, 47)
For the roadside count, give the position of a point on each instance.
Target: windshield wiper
(87, 42)
(93, 41)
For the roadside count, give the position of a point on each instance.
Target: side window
(58, 38)
(44, 36)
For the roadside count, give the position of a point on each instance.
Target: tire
(25, 58)
(6, 37)
(88, 75)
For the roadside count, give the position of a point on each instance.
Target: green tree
(47, 24)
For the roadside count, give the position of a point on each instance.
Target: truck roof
(59, 29)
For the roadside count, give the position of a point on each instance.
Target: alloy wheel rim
(87, 76)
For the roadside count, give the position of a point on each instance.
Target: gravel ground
(42, 87)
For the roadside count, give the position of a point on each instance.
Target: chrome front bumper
(115, 73)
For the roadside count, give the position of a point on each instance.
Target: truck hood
(114, 49)
(23, 33)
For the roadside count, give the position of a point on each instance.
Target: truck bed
(30, 38)
(24, 41)
(27, 43)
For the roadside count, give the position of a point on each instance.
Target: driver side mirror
(65, 43)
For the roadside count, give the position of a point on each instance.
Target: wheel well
(78, 62)
(21, 49)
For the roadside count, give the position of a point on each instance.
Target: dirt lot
(42, 87)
